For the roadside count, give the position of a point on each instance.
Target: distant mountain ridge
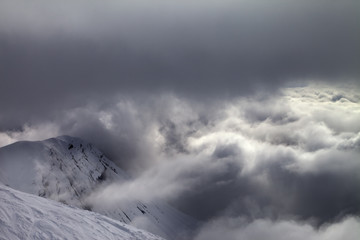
(68, 169)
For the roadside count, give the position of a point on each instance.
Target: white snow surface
(68, 170)
(26, 216)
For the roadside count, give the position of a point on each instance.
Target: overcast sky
(246, 113)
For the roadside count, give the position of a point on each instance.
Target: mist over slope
(70, 171)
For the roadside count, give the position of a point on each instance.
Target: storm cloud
(71, 52)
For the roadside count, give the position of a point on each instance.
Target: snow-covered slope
(68, 170)
(26, 216)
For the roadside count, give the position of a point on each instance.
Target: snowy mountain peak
(65, 169)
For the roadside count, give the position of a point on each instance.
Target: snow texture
(26, 216)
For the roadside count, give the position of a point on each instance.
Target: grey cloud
(69, 53)
(268, 109)
(275, 192)
(222, 151)
(173, 138)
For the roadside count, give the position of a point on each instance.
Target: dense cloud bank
(294, 155)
